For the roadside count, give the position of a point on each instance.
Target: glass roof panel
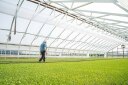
(123, 3)
(12, 47)
(21, 27)
(70, 45)
(16, 38)
(56, 32)
(38, 41)
(2, 46)
(58, 41)
(34, 28)
(35, 49)
(49, 41)
(104, 7)
(4, 35)
(73, 35)
(27, 39)
(14, 2)
(65, 34)
(77, 4)
(96, 15)
(57, 5)
(117, 18)
(30, 6)
(68, 4)
(46, 11)
(26, 48)
(76, 45)
(63, 44)
(46, 30)
(123, 24)
(85, 38)
(78, 38)
(104, 21)
(5, 22)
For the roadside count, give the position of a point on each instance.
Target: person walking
(43, 48)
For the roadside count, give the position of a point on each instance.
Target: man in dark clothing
(43, 48)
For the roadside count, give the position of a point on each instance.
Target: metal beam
(33, 16)
(14, 21)
(118, 25)
(38, 47)
(82, 5)
(96, 1)
(73, 40)
(101, 26)
(43, 36)
(99, 16)
(60, 34)
(57, 23)
(35, 36)
(99, 12)
(121, 7)
(97, 25)
(114, 20)
(79, 40)
(65, 39)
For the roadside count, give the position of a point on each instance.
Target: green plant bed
(64, 71)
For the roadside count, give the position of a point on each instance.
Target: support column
(0, 53)
(117, 52)
(60, 54)
(123, 47)
(88, 55)
(105, 55)
(18, 54)
(112, 53)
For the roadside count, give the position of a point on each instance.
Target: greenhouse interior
(72, 28)
(63, 42)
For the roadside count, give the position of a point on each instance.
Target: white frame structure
(67, 27)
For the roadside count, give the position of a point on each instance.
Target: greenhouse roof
(66, 25)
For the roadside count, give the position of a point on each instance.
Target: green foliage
(62, 71)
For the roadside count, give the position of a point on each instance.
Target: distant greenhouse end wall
(119, 51)
(26, 53)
